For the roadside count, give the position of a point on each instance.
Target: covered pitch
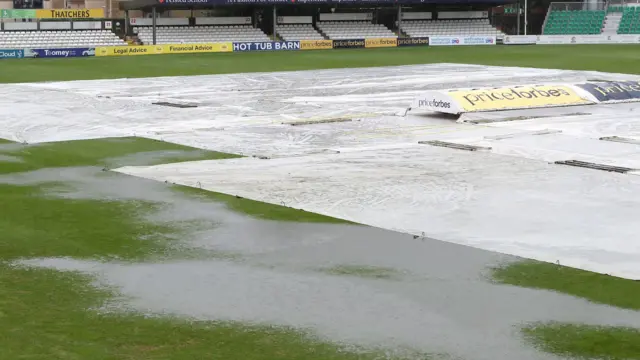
(354, 155)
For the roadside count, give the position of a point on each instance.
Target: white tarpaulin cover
(370, 168)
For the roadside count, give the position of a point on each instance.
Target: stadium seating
(341, 30)
(200, 34)
(630, 22)
(424, 28)
(58, 39)
(574, 22)
(615, 9)
(292, 32)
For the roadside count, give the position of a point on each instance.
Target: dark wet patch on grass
(584, 341)
(258, 209)
(9, 158)
(165, 157)
(44, 226)
(363, 271)
(99, 152)
(599, 288)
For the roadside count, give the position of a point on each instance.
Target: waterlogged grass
(35, 225)
(612, 58)
(258, 209)
(573, 340)
(47, 315)
(585, 342)
(98, 152)
(595, 287)
(371, 272)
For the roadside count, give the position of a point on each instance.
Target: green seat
(566, 22)
(630, 21)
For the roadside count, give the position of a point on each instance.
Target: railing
(575, 6)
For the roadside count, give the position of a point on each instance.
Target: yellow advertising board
(380, 42)
(70, 13)
(516, 97)
(197, 48)
(316, 44)
(129, 50)
(163, 49)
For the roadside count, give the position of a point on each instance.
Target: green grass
(371, 272)
(592, 286)
(258, 209)
(34, 225)
(613, 58)
(98, 152)
(585, 342)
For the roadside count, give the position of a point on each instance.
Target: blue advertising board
(461, 40)
(57, 53)
(613, 91)
(266, 46)
(11, 54)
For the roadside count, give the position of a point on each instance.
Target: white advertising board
(553, 39)
(437, 101)
(519, 40)
(461, 40)
(587, 39)
(623, 39)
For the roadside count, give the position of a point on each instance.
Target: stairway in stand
(611, 23)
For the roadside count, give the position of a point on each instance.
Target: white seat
(201, 34)
(459, 27)
(58, 38)
(354, 30)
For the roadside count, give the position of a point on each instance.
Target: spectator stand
(197, 30)
(292, 20)
(56, 33)
(343, 26)
(293, 28)
(565, 18)
(448, 23)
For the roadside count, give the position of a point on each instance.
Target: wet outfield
(351, 284)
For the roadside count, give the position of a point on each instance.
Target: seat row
(203, 34)
(426, 28)
(354, 30)
(58, 39)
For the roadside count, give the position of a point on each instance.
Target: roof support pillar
(399, 20)
(275, 22)
(153, 23)
(126, 22)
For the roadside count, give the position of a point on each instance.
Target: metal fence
(574, 6)
(623, 2)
